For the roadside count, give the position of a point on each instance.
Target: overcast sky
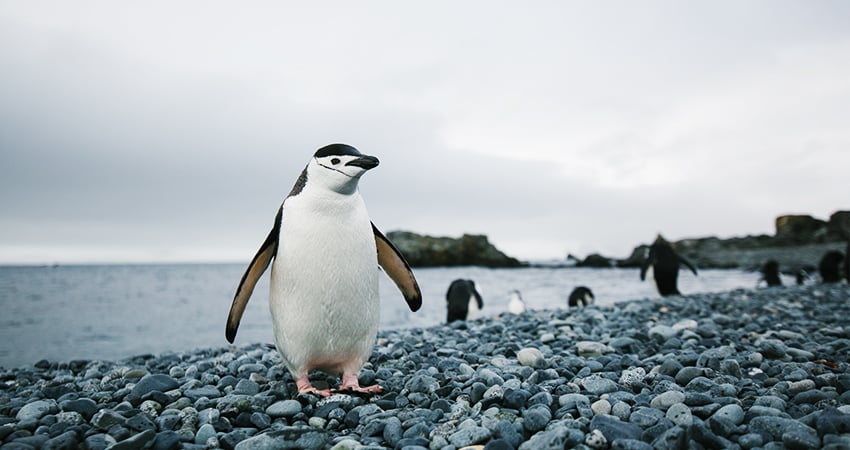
(171, 131)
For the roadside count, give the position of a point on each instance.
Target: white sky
(171, 131)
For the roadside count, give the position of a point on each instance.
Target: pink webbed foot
(350, 384)
(304, 387)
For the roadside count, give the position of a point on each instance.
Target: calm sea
(113, 312)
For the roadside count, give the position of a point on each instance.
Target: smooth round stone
(770, 401)
(531, 357)
(667, 399)
(601, 407)
(85, 406)
(686, 324)
(205, 432)
(800, 386)
(36, 410)
(662, 333)
(732, 412)
(536, 418)
(591, 348)
(686, 374)
(773, 348)
(621, 410)
(155, 382)
(598, 385)
(680, 414)
(284, 408)
(470, 436)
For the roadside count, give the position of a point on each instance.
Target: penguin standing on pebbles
(324, 280)
(580, 296)
(463, 301)
(665, 266)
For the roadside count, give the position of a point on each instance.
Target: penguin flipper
(687, 263)
(398, 270)
(645, 266)
(255, 270)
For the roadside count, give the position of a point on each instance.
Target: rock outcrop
(799, 243)
(467, 250)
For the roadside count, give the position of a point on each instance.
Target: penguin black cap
(337, 150)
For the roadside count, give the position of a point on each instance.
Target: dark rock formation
(595, 260)
(799, 243)
(468, 250)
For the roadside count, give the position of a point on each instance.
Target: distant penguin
(830, 266)
(847, 263)
(324, 280)
(770, 273)
(665, 265)
(463, 301)
(516, 305)
(802, 276)
(581, 296)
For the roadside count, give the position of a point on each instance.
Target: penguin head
(338, 167)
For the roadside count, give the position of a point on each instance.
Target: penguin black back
(580, 296)
(665, 265)
(458, 298)
(830, 266)
(770, 273)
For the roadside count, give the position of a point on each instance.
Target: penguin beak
(365, 161)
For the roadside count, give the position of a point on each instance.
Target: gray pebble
(470, 436)
(667, 399)
(598, 385)
(284, 408)
(680, 414)
(733, 413)
(154, 382)
(37, 410)
(531, 357)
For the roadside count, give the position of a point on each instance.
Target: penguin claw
(365, 390)
(351, 385)
(314, 391)
(304, 388)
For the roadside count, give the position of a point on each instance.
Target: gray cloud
(172, 132)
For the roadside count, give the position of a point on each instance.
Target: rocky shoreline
(755, 369)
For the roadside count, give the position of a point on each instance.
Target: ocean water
(112, 312)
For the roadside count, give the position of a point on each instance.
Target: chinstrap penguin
(463, 301)
(581, 296)
(516, 305)
(665, 266)
(830, 267)
(770, 273)
(323, 294)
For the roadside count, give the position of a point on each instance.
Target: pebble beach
(745, 369)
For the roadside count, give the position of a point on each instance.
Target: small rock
(470, 436)
(531, 357)
(613, 428)
(536, 418)
(680, 414)
(732, 412)
(37, 409)
(598, 385)
(155, 382)
(284, 408)
(596, 440)
(631, 376)
(667, 399)
(205, 432)
(601, 407)
(773, 348)
(137, 442)
(591, 348)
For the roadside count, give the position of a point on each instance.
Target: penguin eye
(335, 161)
